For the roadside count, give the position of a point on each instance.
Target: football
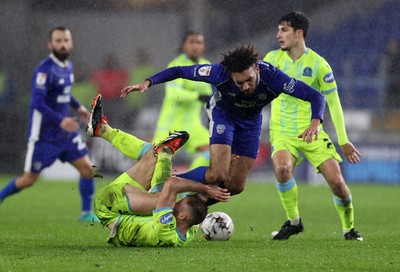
(217, 226)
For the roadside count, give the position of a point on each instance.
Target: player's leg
(286, 185)
(38, 156)
(322, 155)
(284, 157)
(342, 198)
(127, 144)
(86, 188)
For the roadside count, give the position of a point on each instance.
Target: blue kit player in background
(244, 85)
(52, 132)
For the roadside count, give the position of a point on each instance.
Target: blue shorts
(42, 154)
(243, 135)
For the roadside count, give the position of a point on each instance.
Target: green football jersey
(181, 108)
(160, 229)
(291, 116)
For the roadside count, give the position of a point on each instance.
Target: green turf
(40, 232)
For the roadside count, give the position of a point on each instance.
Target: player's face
(247, 80)
(61, 44)
(194, 46)
(287, 37)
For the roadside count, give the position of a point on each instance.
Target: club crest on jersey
(329, 78)
(205, 71)
(307, 72)
(220, 128)
(41, 79)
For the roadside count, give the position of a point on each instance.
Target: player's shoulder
(45, 64)
(180, 60)
(271, 55)
(311, 54)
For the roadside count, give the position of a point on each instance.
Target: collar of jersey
(57, 61)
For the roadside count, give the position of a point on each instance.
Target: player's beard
(61, 56)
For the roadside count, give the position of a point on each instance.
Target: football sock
(9, 189)
(288, 195)
(202, 159)
(198, 174)
(344, 207)
(86, 188)
(162, 172)
(127, 144)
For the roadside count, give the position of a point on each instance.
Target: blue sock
(9, 189)
(198, 174)
(86, 188)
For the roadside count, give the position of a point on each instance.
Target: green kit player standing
(290, 116)
(181, 108)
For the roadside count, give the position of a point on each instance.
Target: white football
(217, 226)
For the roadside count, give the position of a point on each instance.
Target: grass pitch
(40, 232)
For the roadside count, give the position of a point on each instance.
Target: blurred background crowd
(117, 43)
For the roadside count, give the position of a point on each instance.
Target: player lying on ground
(122, 206)
(244, 85)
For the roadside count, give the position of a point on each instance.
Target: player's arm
(213, 74)
(329, 87)
(175, 185)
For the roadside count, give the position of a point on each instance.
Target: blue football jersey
(50, 99)
(228, 97)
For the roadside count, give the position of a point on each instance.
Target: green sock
(202, 159)
(127, 144)
(288, 194)
(344, 207)
(162, 172)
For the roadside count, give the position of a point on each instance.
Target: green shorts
(111, 201)
(199, 136)
(316, 152)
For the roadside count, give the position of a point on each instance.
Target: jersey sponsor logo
(329, 78)
(41, 79)
(307, 72)
(288, 87)
(205, 71)
(166, 218)
(63, 98)
(220, 128)
(61, 81)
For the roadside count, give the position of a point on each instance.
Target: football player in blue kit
(52, 131)
(244, 85)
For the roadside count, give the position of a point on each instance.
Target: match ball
(217, 226)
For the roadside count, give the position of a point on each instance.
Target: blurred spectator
(83, 90)
(109, 81)
(391, 62)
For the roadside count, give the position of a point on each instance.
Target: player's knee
(86, 172)
(283, 172)
(235, 189)
(215, 177)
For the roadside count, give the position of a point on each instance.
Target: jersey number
(78, 141)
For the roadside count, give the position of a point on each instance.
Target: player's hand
(351, 153)
(84, 114)
(69, 124)
(141, 87)
(218, 193)
(313, 131)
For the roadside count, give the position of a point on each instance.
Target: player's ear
(181, 216)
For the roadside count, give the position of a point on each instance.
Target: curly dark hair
(198, 209)
(241, 58)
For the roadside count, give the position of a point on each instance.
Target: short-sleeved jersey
(50, 99)
(181, 108)
(291, 116)
(160, 229)
(228, 97)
